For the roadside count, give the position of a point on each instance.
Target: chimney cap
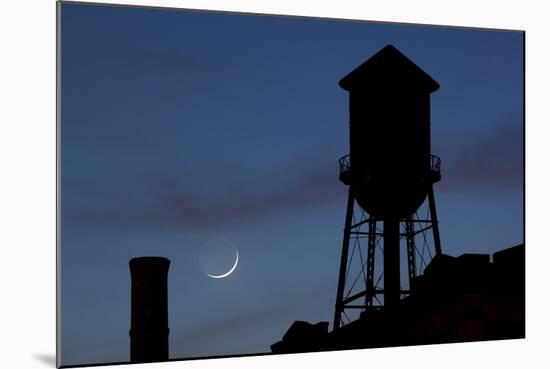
(149, 261)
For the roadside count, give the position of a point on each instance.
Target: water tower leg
(392, 285)
(435, 222)
(343, 263)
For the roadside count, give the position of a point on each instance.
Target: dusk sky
(183, 128)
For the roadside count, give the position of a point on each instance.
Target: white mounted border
(27, 187)
(462, 13)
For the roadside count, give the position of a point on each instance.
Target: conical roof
(388, 68)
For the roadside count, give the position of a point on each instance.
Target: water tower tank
(390, 160)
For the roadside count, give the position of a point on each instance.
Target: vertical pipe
(343, 263)
(369, 290)
(392, 285)
(411, 249)
(149, 308)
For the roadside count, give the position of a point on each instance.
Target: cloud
(164, 202)
(494, 162)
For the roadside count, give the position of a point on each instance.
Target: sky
(183, 129)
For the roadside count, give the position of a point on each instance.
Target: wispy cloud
(494, 162)
(165, 203)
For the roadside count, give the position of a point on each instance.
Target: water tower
(390, 172)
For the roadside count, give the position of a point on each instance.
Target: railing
(345, 166)
(435, 164)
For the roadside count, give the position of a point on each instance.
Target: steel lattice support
(418, 256)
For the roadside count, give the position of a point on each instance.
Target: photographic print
(244, 184)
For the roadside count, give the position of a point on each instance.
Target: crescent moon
(219, 276)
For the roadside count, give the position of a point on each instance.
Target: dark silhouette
(389, 104)
(457, 299)
(390, 169)
(149, 323)
(390, 172)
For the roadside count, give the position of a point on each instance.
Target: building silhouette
(149, 308)
(457, 299)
